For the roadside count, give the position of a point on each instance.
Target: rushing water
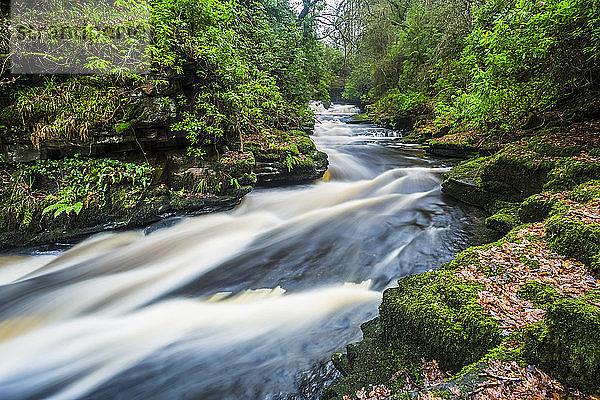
(241, 305)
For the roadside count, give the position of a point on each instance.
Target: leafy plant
(63, 207)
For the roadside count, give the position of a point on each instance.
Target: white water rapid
(247, 304)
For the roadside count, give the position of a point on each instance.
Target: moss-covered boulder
(567, 343)
(429, 316)
(572, 171)
(457, 145)
(370, 360)
(285, 157)
(569, 235)
(464, 183)
(59, 200)
(535, 208)
(505, 219)
(512, 176)
(438, 317)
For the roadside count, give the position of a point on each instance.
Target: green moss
(464, 258)
(238, 164)
(540, 294)
(298, 132)
(567, 343)
(289, 148)
(305, 145)
(513, 176)
(543, 148)
(469, 171)
(370, 361)
(526, 260)
(570, 172)
(438, 317)
(535, 209)
(363, 118)
(430, 316)
(505, 219)
(586, 192)
(124, 126)
(458, 148)
(574, 239)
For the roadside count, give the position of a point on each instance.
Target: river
(247, 304)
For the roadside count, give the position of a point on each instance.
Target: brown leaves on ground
(583, 134)
(507, 380)
(589, 214)
(233, 157)
(378, 392)
(431, 375)
(524, 259)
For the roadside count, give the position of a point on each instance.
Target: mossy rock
(505, 219)
(363, 118)
(261, 153)
(574, 239)
(535, 209)
(464, 183)
(512, 177)
(543, 148)
(570, 172)
(586, 192)
(297, 132)
(469, 171)
(467, 193)
(464, 258)
(305, 145)
(540, 294)
(240, 167)
(451, 149)
(567, 343)
(438, 317)
(370, 361)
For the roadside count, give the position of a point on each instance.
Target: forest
(224, 191)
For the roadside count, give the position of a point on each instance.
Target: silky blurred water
(247, 304)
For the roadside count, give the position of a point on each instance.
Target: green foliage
(490, 65)
(69, 109)
(397, 102)
(256, 67)
(63, 207)
(54, 188)
(247, 66)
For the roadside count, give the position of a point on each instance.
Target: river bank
(59, 200)
(517, 318)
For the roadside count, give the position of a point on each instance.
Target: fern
(290, 161)
(27, 217)
(62, 207)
